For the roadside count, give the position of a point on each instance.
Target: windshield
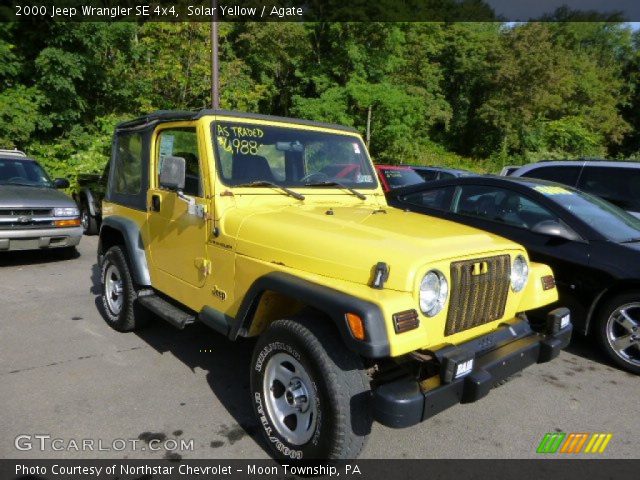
(401, 177)
(610, 221)
(23, 172)
(290, 157)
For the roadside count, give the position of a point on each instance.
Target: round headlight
(433, 293)
(519, 273)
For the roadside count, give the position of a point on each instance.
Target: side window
(565, 175)
(182, 142)
(438, 199)
(501, 206)
(127, 175)
(427, 175)
(620, 186)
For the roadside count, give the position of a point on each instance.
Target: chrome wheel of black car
(619, 330)
(623, 332)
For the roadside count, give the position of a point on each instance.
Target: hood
(347, 243)
(17, 196)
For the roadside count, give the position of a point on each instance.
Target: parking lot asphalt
(65, 374)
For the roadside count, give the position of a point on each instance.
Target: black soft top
(163, 116)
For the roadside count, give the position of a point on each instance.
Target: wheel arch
(87, 195)
(278, 287)
(117, 230)
(604, 296)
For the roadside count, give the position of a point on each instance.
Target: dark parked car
(429, 174)
(592, 246)
(89, 196)
(33, 213)
(617, 182)
(396, 176)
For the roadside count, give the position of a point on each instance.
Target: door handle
(155, 203)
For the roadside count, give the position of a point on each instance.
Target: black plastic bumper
(402, 403)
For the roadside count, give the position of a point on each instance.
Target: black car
(429, 173)
(617, 182)
(592, 246)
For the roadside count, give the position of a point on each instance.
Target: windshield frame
(49, 182)
(372, 187)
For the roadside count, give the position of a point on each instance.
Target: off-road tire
(131, 316)
(89, 222)
(341, 388)
(604, 313)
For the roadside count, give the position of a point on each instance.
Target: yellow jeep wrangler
(277, 228)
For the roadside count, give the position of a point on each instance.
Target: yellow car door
(178, 228)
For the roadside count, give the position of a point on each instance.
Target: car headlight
(519, 273)
(433, 293)
(66, 212)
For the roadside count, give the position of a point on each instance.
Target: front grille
(32, 212)
(25, 218)
(479, 290)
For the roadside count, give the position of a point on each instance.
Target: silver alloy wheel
(290, 398)
(623, 332)
(113, 289)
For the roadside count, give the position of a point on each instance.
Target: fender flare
(334, 303)
(611, 290)
(86, 193)
(133, 244)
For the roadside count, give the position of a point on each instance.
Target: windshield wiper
(332, 183)
(267, 183)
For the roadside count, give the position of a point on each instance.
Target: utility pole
(215, 78)
(368, 137)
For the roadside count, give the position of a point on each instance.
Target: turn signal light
(405, 321)
(74, 222)
(356, 325)
(548, 282)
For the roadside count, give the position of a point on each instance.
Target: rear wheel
(88, 221)
(619, 330)
(119, 295)
(310, 393)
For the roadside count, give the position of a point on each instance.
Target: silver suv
(616, 182)
(33, 214)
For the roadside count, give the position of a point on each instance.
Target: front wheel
(310, 393)
(619, 330)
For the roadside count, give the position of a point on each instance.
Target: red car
(396, 176)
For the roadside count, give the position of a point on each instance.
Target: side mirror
(173, 173)
(554, 229)
(61, 183)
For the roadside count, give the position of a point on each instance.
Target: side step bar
(167, 311)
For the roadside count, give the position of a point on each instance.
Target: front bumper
(34, 239)
(510, 349)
